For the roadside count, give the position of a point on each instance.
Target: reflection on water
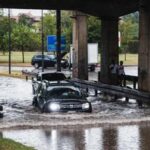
(118, 138)
(128, 135)
(93, 139)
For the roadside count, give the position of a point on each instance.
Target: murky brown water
(132, 137)
(16, 97)
(111, 126)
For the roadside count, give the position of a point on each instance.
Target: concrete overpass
(103, 8)
(108, 11)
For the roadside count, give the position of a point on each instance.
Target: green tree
(23, 34)
(1, 12)
(134, 17)
(129, 28)
(25, 38)
(4, 30)
(49, 23)
(66, 27)
(94, 30)
(25, 20)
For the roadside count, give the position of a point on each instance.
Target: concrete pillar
(80, 64)
(109, 50)
(144, 50)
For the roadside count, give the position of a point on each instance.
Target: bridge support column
(109, 48)
(80, 64)
(144, 50)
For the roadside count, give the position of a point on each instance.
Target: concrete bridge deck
(103, 8)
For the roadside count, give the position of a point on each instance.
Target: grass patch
(16, 58)
(131, 59)
(14, 74)
(7, 144)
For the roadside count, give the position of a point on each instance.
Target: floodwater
(111, 126)
(118, 138)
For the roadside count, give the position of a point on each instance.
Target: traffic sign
(52, 43)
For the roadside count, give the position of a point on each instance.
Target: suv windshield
(52, 56)
(63, 93)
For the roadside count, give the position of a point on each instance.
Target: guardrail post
(95, 92)
(134, 84)
(127, 99)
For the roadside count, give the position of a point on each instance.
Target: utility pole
(42, 38)
(9, 40)
(58, 34)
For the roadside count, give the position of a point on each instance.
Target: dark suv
(49, 61)
(61, 97)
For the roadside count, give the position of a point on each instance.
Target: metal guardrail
(126, 92)
(130, 78)
(115, 90)
(133, 79)
(30, 74)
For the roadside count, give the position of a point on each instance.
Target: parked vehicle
(48, 60)
(61, 97)
(92, 56)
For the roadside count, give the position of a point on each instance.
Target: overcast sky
(15, 12)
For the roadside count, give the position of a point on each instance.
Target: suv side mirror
(69, 77)
(85, 94)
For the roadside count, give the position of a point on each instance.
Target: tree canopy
(26, 32)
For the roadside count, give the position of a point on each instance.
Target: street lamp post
(9, 41)
(58, 47)
(42, 37)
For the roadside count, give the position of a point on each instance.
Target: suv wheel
(36, 65)
(1, 108)
(64, 67)
(35, 103)
(1, 115)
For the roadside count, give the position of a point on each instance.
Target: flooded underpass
(111, 125)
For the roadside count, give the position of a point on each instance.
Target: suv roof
(51, 76)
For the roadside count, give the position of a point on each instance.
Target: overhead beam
(109, 8)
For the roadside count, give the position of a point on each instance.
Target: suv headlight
(62, 61)
(54, 106)
(85, 106)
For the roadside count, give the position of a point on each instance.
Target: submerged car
(62, 98)
(48, 60)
